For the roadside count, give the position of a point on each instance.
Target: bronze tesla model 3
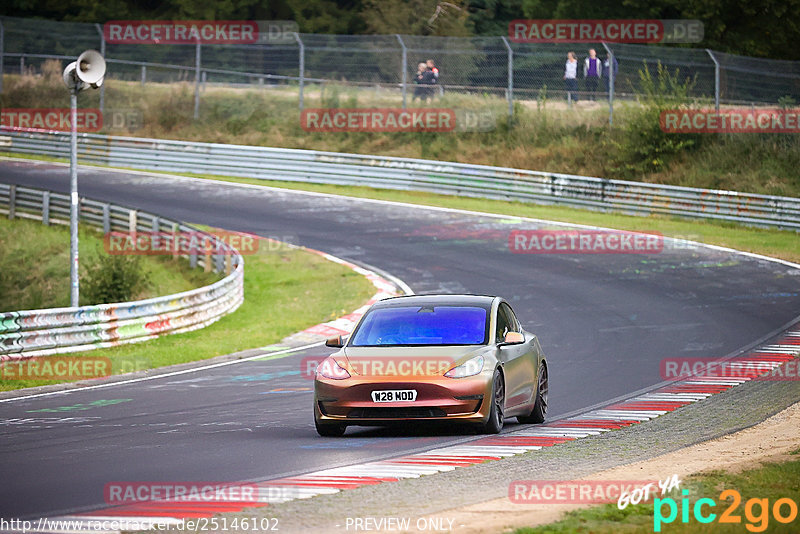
(463, 358)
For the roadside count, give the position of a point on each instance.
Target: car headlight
(330, 368)
(468, 368)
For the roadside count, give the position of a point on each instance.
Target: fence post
(610, 84)
(197, 80)
(12, 201)
(219, 259)
(22, 65)
(46, 208)
(302, 69)
(510, 92)
(175, 241)
(193, 250)
(144, 74)
(404, 67)
(102, 53)
(716, 79)
(155, 228)
(106, 219)
(2, 54)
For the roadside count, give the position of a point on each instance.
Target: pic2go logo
(756, 511)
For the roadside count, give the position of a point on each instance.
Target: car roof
(484, 301)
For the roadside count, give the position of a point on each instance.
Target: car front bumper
(439, 398)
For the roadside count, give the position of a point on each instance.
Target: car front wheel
(539, 411)
(495, 423)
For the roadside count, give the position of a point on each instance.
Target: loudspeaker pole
(74, 203)
(88, 71)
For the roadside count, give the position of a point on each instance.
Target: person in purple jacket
(592, 72)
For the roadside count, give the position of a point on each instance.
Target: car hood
(406, 362)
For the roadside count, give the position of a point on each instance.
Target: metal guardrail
(30, 333)
(480, 181)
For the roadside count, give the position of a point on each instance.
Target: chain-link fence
(492, 67)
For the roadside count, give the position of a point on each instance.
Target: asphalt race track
(605, 322)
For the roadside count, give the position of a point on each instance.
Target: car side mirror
(335, 342)
(514, 338)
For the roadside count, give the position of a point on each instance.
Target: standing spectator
(424, 79)
(592, 72)
(435, 72)
(571, 77)
(607, 65)
(429, 79)
(419, 81)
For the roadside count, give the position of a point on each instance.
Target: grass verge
(287, 290)
(34, 266)
(770, 482)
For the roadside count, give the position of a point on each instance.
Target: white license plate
(394, 395)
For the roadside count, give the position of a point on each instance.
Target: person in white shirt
(571, 77)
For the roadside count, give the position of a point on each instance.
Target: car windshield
(422, 325)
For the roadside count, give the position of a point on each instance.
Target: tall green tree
(418, 17)
(766, 28)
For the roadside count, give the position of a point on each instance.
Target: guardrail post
(716, 79)
(302, 68)
(102, 53)
(403, 67)
(12, 201)
(155, 226)
(106, 218)
(46, 208)
(207, 262)
(144, 74)
(176, 241)
(197, 80)
(610, 84)
(510, 90)
(219, 259)
(132, 222)
(2, 54)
